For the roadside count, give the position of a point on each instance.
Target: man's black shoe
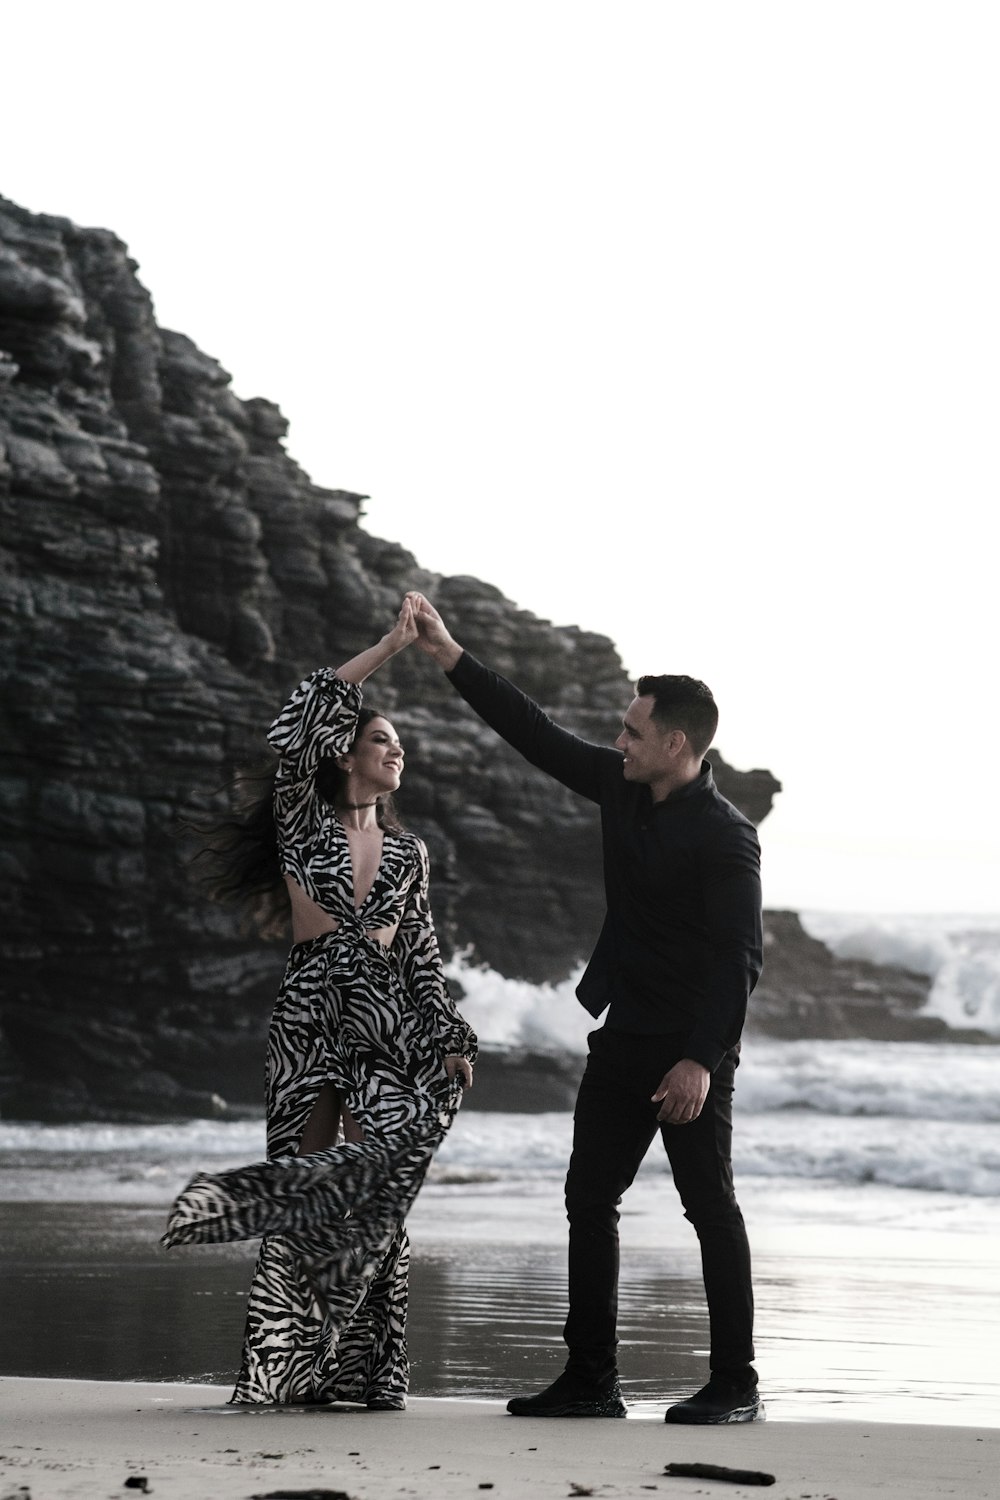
(571, 1396)
(719, 1401)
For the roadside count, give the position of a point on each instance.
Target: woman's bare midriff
(310, 920)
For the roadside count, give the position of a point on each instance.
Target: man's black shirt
(681, 946)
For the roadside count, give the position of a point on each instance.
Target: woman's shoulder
(407, 839)
(410, 848)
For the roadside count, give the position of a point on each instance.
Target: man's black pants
(614, 1124)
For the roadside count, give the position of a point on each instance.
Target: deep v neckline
(357, 906)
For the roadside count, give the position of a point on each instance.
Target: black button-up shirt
(681, 946)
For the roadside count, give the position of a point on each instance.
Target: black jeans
(613, 1127)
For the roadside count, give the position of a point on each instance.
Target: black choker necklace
(357, 806)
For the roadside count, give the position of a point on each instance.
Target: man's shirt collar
(703, 783)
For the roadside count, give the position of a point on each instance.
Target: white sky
(677, 321)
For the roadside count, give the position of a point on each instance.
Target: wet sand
(855, 1321)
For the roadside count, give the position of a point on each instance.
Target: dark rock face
(167, 574)
(805, 991)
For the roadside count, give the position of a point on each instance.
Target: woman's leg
(284, 1325)
(323, 1127)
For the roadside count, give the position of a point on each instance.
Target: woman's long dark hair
(237, 856)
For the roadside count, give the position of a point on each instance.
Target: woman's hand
(460, 1067)
(433, 634)
(404, 632)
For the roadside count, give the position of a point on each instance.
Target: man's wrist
(700, 1062)
(448, 655)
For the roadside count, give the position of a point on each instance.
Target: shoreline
(884, 1321)
(64, 1439)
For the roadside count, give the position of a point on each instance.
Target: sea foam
(515, 1013)
(960, 954)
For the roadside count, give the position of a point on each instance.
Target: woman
(365, 1043)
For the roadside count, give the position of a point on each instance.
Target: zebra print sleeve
(416, 947)
(319, 719)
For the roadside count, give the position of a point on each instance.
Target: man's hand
(433, 635)
(459, 1065)
(682, 1092)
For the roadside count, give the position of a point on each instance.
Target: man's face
(646, 746)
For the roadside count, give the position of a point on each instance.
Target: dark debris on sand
(303, 1495)
(718, 1471)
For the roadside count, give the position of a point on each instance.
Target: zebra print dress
(327, 1310)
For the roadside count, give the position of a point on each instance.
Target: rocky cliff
(167, 574)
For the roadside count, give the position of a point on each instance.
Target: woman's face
(375, 759)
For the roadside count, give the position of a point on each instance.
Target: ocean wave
(520, 1155)
(933, 1156)
(960, 1156)
(513, 1013)
(960, 954)
(918, 1115)
(244, 1140)
(897, 1080)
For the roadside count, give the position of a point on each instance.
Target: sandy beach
(82, 1438)
(878, 1315)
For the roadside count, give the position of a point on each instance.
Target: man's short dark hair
(682, 703)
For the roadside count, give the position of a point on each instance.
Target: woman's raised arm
(400, 636)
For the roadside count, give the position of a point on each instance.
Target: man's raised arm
(515, 717)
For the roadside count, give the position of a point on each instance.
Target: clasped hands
(419, 621)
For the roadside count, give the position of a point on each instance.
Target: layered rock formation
(167, 573)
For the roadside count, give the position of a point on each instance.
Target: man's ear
(677, 741)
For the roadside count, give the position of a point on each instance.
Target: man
(676, 960)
